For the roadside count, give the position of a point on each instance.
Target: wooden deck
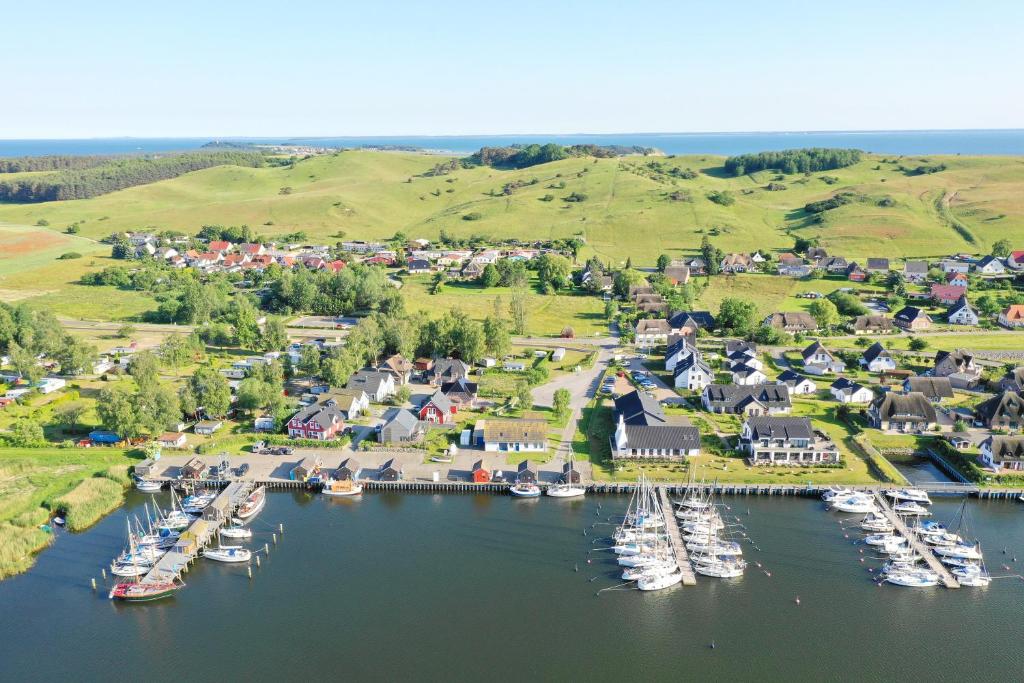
(675, 540)
(919, 546)
(177, 560)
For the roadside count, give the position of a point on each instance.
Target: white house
(1003, 452)
(962, 313)
(692, 373)
(796, 383)
(48, 385)
(677, 351)
(377, 385)
(819, 361)
(847, 391)
(747, 376)
(990, 265)
(877, 359)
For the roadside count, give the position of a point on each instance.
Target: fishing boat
(147, 486)
(228, 553)
(341, 487)
(911, 508)
(137, 591)
(236, 532)
(253, 504)
(525, 490)
(910, 495)
(657, 582)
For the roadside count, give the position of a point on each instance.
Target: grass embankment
(35, 481)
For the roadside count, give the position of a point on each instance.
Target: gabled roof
(792, 320)
(403, 421)
(874, 351)
(916, 267)
(1008, 405)
(649, 325)
(815, 348)
(878, 264)
(449, 367)
(872, 323)
(459, 386)
(1014, 312)
(440, 401)
(910, 314)
(1005, 447)
(912, 406)
(930, 386)
(734, 345)
(640, 409)
(785, 428)
(325, 413)
(731, 396)
(692, 361)
(960, 304)
(700, 319)
(959, 359)
(515, 431)
(847, 386)
(791, 378)
(370, 380)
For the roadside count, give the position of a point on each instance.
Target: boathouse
(480, 475)
(193, 469)
(526, 473)
(390, 471)
(306, 468)
(349, 469)
(570, 475)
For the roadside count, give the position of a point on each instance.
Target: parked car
(242, 469)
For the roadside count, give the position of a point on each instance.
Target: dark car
(241, 469)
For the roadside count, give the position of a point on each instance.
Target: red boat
(134, 591)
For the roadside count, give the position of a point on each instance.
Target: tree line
(53, 162)
(808, 160)
(524, 156)
(117, 174)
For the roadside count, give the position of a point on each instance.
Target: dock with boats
(675, 540)
(919, 546)
(198, 534)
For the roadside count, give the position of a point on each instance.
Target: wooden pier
(916, 544)
(675, 540)
(199, 533)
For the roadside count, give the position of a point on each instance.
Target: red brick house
(321, 421)
(437, 409)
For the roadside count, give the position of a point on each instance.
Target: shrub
(472, 216)
(68, 255)
(722, 197)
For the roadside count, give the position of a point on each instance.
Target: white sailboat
(228, 553)
(567, 489)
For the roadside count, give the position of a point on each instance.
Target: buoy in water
(712, 645)
(797, 601)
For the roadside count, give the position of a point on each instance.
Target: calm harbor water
(460, 587)
(881, 142)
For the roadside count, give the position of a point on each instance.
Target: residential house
(437, 409)
(820, 361)
(958, 280)
(1012, 316)
(954, 266)
(399, 367)
(962, 313)
(796, 383)
(207, 427)
(526, 473)
(651, 332)
(747, 376)
(691, 322)
(404, 427)
(878, 266)
(677, 350)
(744, 357)
(692, 373)
(990, 265)
(1002, 411)
(472, 270)
(876, 358)
(845, 390)
(1003, 453)
(792, 322)
(854, 273)
(461, 393)
(390, 471)
(816, 253)
(763, 399)
(348, 470)
(321, 421)
(747, 348)
(570, 473)
(651, 303)
(677, 275)
(872, 324)
(792, 266)
(172, 440)
(696, 264)
(737, 263)
(48, 385)
(417, 266)
(836, 265)
(947, 295)
(959, 366)
(1013, 380)
(911, 412)
(912, 319)
(511, 435)
(222, 246)
(770, 441)
(934, 388)
(377, 385)
(351, 402)
(447, 370)
(1015, 260)
(644, 431)
(915, 271)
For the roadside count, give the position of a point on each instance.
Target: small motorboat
(910, 495)
(253, 504)
(343, 487)
(566, 491)
(132, 569)
(525, 491)
(911, 508)
(885, 539)
(236, 532)
(719, 569)
(833, 492)
(228, 553)
(877, 523)
(859, 503)
(658, 581)
(716, 547)
(147, 486)
(973, 575)
(136, 591)
(59, 521)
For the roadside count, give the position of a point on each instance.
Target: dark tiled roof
(930, 386)
(665, 437)
(791, 377)
(874, 351)
(912, 406)
(691, 361)
(732, 396)
(639, 409)
(737, 345)
(786, 428)
(1008, 405)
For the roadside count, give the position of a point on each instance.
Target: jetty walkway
(675, 540)
(919, 546)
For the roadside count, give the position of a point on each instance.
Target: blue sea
(991, 142)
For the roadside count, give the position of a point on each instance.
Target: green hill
(634, 206)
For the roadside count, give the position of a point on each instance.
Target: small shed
(526, 473)
(390, 471)
(263, 423)
(558, 354)
(480, 475)
(306, 468)
(145, 468)
(349, 469)
(570, 475)
(171, 440)
(219, 510)
(207, 427)
(193, 469)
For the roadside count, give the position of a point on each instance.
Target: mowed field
(631, 210)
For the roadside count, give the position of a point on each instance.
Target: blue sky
(85, 69)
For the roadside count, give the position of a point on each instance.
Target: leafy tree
(524, 395)
(610, 309)
(737, 316)
(988, 305)
(211, 392)
(175, 351)
(664, 261)
(560, 402)
(255, 394)
(69, 414)
(274, 336)
(309, 361)
(712, 256)
(243, 316)
(403, 394)
(26, 433)
(553, 271)
(145, 370)
(490, 277)
(517, 311)
(918, 344)
(497, 341)
(117, 412)
(1001, 248)
(24, 363)
(126, 331)
(825, 313)
(75, 356)
(791, 161)
(847, 304)
(624, 279)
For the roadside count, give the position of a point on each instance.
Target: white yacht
(236, 532)
(858, 503)
(876, 522)
(659, 581)
(960, 551)
(911, 508)
(911, 495)
(228, 553)
(147, 486)
(913, 578)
